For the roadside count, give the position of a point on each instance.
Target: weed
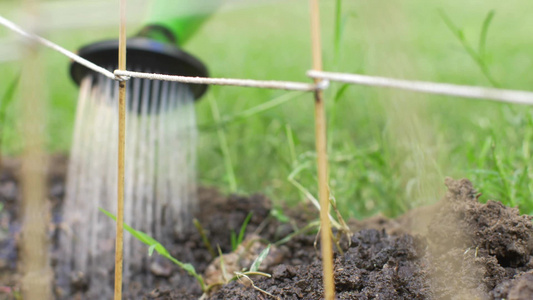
(479, 56)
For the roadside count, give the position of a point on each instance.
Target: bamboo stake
(119, 248)
(37, 275)
(322, 159)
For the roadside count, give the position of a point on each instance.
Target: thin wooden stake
(322, 159)
(36, 282)
(119, 248)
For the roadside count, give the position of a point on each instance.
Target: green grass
(389, 150)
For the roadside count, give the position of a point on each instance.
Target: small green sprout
(155, 245)
(237, 240)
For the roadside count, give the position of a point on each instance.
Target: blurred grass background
(389, 150)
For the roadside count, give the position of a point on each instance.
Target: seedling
(237, 240)
(155, 245)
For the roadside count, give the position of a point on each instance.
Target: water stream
(160, 188)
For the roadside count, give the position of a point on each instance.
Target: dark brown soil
(455, 249)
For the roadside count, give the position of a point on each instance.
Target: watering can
(156, 47)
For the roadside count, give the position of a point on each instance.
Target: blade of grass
(308, 227)
(233, 240)
(504, 177)
(230, 172)
(290, 143)
(483, 34)
(6, 101)
(257, 262)
(206, 241)
(273, 103)
(306, 192)
(222, 265)
(338, 28)
(236, 241)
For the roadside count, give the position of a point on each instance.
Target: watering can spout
(180, 18)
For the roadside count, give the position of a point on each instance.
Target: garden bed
(457, 248)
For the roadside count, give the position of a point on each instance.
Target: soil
(457, 248)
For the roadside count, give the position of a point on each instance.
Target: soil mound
(471, 251)
(375, 265)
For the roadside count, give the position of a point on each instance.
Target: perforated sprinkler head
(153, 50)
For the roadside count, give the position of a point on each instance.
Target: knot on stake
(120, 78)
(322, 84)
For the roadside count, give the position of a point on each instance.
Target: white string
(47, 43)
(511, 96)
(266, 84)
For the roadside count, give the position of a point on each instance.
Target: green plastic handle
(181, 17)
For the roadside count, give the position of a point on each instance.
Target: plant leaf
(340, 92)
(243, 228)
(155, 245)
(233, 238)
(8, 97)
(257, 262)
(5, 101)
(483, 34)
(279, 215)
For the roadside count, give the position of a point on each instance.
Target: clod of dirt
(161, 266)
(501, 230)
(473, 246)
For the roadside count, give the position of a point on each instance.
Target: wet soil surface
(455, 249)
